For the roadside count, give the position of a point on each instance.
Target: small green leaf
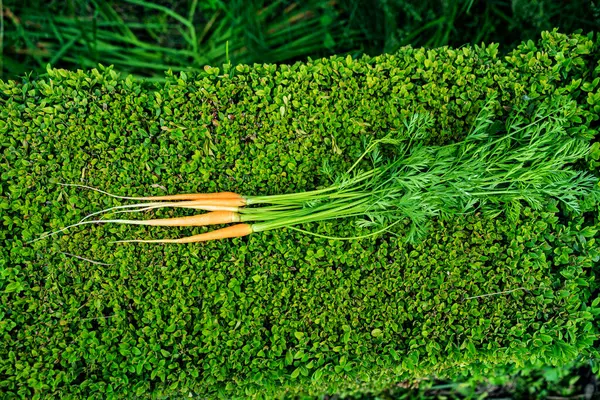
(376, 332)
(318, 374)
(471, 348)
(289, 357)
(140, 390)
(546, 338)
(296, 373)
(13, 287)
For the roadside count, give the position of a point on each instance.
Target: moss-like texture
(277, 313)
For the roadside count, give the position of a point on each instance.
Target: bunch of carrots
(498, 166)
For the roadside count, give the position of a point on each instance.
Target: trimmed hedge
(278, 313)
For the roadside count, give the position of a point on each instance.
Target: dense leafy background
(279, 313)
(146, 37)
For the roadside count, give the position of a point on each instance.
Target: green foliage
(568, 381)
(391, 24)
(280, 313)
(496, 167)
(145, 37)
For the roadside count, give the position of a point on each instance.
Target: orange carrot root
(185, 196)
(195, 196)
(211, 218)
(233, 231)
(213, 203)
(206, 205)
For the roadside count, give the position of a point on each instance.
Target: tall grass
(146, 37)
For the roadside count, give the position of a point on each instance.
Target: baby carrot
(181, 196)
(211, 218)
(206, 205)
(193, 196)
(233, 231)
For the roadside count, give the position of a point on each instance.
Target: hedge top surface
(280, 313)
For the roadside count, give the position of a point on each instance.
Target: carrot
(211, 218)
(181, 196)
(233, 231)
(193, 196)
(201, 204)
(206, 205)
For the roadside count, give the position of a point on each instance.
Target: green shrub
(278, 313)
